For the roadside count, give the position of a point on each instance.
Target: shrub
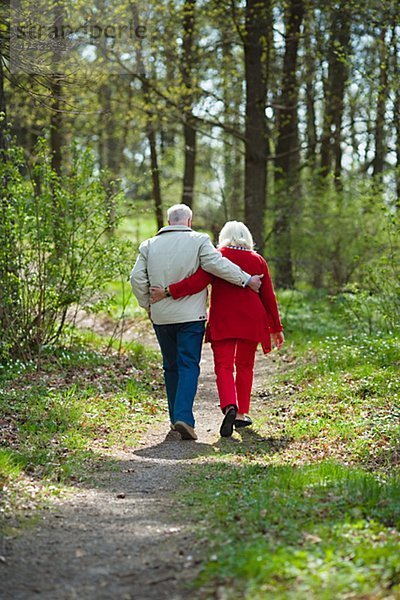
(56, 247)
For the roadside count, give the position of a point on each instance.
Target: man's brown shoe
(187, 432)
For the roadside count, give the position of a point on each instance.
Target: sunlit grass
(307, 532)
(59, 424)
(294, 515)
(347, 395)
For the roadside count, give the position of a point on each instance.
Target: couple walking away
(170, 279)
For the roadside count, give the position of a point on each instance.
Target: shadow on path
(123, 535)
(252, 442)
(174, 448)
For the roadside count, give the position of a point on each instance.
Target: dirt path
(124, 537)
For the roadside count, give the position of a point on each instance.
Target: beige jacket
(173, 254)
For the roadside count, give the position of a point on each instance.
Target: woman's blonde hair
(235, 233)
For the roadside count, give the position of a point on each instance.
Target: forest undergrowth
(306, 504)
(60, 421)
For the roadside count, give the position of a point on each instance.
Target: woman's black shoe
(226, 429)
(243, 422)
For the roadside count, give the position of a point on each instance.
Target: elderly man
(173, 254)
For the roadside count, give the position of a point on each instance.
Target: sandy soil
(122, 537)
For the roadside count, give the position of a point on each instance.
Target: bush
(373, 304)
(56, 247)
(342, 236)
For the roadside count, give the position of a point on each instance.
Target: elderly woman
(239, 319)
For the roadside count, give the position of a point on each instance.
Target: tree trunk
(235, 196)
(287, 150)
(5, 299)
(258, 21)
(189, 131)
(232, 94)
(9, 283)
(57, 132)
(110, 154)
(396, 110)
(380, 150)
(56, 126)
(3, 109)
(56, 118)
(189, 136)
(311, 130)
(331, 152)
(111, 145)
(155, 174)
(150, 133)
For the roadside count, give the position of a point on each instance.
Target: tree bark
(3, 109)
(9, 282)
(189, 136)
(310, 67)
(56, 118)
(5, 297)
(396, 110)
(258, 19)
(56, 126)
(189, 131)
(287, 150)
(233, 154)
(155, 174)
(150, 133)
(109, 144)
(331, 151)
(380, 150)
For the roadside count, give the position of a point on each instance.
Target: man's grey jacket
(170, 256)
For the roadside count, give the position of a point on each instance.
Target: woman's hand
(278, 339)
(157, 293)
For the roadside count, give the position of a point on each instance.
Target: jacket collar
(174, 228)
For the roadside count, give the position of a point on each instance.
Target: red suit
(238, 320)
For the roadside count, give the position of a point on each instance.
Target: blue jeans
(180, 345)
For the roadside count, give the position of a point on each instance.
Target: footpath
(122, 536)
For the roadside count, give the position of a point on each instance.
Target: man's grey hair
(178, 213)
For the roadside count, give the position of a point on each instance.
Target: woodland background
(284, 114)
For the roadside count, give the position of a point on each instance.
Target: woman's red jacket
(236, 312)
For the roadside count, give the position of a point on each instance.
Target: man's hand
(278, 339)
(157, 293)
(255, 283)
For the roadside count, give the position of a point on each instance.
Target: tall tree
(189, 130)
(4, 229)
(334, 89)
(382, 96)
(233, 147)
(4, 51)
(56, 115)
(108, 140)
(150, 127)
(109, 147)
(396, 105)
(287, 149)
(310, 76)
(256, 40)
(3, 108)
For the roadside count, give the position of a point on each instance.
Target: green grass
(348, 397)
(309, 316)
(318, 531)
(306, 505)
(59, 423)
(139, 226)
